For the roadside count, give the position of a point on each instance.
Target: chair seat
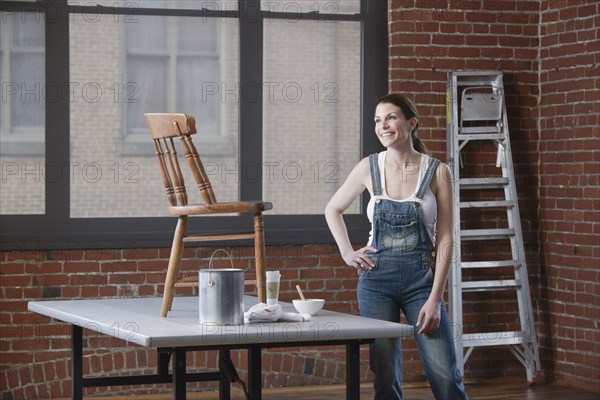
(220, 208)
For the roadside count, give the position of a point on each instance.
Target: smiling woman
(399, 268)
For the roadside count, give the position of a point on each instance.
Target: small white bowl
(308, 306)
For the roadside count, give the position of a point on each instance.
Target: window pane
(326, 7)
(147, 79)
(26, 30)
(115, 171)
(27, 110)
(147, 35)
(22, 114)
(190, 100)
(200, 38)
(311, 112)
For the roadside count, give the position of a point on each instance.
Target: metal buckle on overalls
(416, 204)
(378, 200)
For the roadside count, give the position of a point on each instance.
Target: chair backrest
(163, 129)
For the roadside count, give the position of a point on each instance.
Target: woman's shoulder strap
(433, 164)
(375, 175)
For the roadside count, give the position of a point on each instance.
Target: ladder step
(484, 204)
(490, 264)
(482, 183)
(495, 338)
(486, 234)
(466, 130)
(480, 286)
(482, 136)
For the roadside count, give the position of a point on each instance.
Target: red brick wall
(36, 350)
(548, 52)
(569, 188)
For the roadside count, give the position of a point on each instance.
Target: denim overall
(402, 280)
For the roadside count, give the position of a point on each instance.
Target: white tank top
(428, 204)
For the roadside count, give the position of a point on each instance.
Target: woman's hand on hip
(359, 259)
(430, 316)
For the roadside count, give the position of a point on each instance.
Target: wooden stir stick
(300, 292)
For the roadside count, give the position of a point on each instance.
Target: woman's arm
(429, 317)
(355, 184)
(444, 246)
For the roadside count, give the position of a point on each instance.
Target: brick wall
(36, 350)
(548, 53)
(569, 188)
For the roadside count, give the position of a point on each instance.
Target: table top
(138, 320)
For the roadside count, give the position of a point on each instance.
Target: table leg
(353, 371)
(76, 362)
(255, 372)
(179, 372)
(163, 363)
(224, 383)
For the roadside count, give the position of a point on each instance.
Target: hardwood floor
(484, 390)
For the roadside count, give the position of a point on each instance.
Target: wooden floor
(485, 390)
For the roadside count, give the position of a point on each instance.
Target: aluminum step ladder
(476, 116)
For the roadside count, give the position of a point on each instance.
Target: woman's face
(391, 126)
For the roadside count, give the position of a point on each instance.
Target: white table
(137, 320)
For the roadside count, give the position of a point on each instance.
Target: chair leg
(173, 268)
(259, 253)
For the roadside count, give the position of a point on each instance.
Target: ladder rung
(484, 204)
(482, 183)
(495, 338)
(479, 286)
(483, 136)
(466, 130)
(222, 236)
(490, 264)
(486, 234)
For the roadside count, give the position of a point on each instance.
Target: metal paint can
(221, 296)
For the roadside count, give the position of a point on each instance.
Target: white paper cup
(273, 280)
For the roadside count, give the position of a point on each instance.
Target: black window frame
(57, 230)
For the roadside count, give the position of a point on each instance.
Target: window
(22, 112)
(278, 90)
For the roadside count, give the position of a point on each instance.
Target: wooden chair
(164, 128)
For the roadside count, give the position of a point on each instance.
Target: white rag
(271, 313)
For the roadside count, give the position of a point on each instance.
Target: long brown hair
(409, 110)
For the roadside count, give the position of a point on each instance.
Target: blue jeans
(382, 293)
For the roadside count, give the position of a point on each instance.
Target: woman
(406, 261)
